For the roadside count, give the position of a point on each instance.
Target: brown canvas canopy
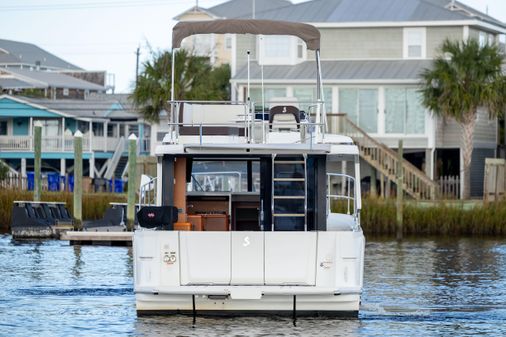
(307, 33)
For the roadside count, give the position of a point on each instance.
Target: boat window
(223, 176)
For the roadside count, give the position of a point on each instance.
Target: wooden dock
(98, 238)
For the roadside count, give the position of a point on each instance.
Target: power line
(90, 5)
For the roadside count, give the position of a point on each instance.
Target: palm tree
(463, 78)
(195, 79)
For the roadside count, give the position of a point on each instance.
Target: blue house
(105, 120)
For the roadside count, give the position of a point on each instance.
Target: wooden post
(132, 178)
(37, 144)
(373, 190)
(78, 177)
(400, 192)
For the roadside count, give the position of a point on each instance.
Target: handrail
(145, 193)
(416, 183)
(349, 180)
(118, 151)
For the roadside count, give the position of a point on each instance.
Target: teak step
(289, 179)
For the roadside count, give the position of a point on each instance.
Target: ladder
(289, 192)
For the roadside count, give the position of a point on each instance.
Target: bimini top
(307, 33)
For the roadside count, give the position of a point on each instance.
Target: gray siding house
(373, 52)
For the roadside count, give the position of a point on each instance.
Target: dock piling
(400, 192)
(78, 177)
(132, 177)
(37, 147)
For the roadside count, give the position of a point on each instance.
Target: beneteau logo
(246, 242)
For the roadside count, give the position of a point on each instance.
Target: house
(105, 120)
(27, 68)
(39, 87)
(372, 54)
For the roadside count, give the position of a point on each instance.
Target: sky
(104, 34)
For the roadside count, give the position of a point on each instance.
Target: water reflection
(422, 287)
(78, 263)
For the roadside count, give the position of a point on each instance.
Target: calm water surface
(423, 287)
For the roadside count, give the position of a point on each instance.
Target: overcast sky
(104, 34)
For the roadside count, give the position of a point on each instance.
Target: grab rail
(347, 185)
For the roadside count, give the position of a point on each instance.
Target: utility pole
(137, 53)
(253, 9)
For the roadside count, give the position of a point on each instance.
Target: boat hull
(345, 306)
(231, 273)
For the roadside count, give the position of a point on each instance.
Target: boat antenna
(172, 76)
(248, 84)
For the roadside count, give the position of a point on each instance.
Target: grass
(94, 204)
(378, 217)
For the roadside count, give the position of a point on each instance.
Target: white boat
(261, 199)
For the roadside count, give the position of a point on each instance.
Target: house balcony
(57, 144)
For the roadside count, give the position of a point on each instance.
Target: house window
(361, 106)
(404, 112)
(228, 41)
(50, 127)
(98, 129)
(3, 128)
(482, 39)
(491, 39)
(414, 42)
(280, 49)
(275, 46)
(83, 126)
(112, 130)
(269, 93)
(306, 96)
(301, 49)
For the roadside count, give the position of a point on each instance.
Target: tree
(195, 79)
(464, 77)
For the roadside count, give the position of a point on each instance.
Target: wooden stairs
(385, 160)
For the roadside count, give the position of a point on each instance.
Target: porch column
(63, 166)
(92, 165)
(30, 132)
(91, 135)
(105, 136)
(63, 134)
(429, 163)
(23, 173)
(63, 169)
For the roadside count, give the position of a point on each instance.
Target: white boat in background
(271, 206)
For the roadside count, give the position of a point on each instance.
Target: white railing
(241, 116)
(15, 143)
(147, 191)
(341, 188)
(56, 143)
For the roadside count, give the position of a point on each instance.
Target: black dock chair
(113, 217)
(64, 212)
(158, 217)
(38, 215)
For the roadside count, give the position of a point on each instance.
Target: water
(424, 287)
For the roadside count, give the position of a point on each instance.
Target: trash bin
(118, 186)
(53, 182)
(30, 177)
(71, 183)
